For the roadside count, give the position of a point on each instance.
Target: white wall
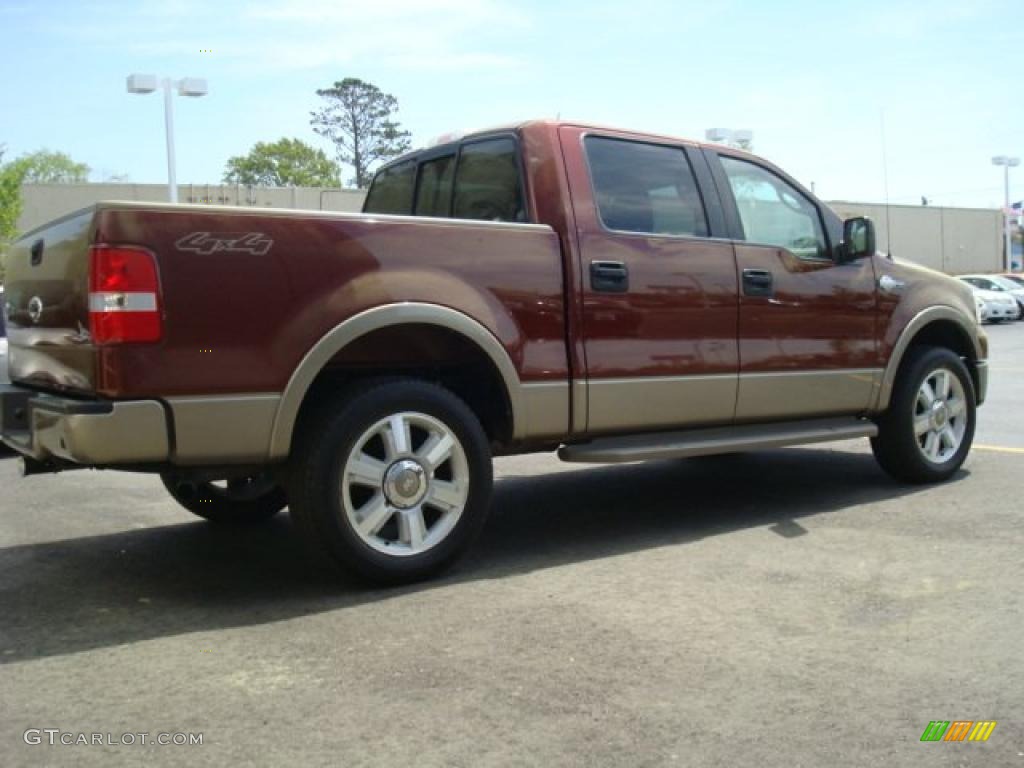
(44, 202)
(953, 240)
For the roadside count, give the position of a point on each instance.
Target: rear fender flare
(374, 319)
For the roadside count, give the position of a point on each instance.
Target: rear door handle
(757, 282)
(609, 276)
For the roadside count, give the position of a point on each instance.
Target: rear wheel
(236, 501)
(391, 481)
(927, 432)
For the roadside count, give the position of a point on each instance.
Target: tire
(391, 481)
(244, 501)
(919, 442)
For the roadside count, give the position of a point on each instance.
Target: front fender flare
(917, 323)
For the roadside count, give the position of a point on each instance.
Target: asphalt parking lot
(787, 608)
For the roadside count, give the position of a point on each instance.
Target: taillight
(124, 295)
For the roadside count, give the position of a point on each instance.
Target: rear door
(807, 343)
(659, 289)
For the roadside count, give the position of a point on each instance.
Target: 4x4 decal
(207, 243)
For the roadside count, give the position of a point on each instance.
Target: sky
(841, 95)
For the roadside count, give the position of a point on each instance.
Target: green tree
(46, 167)
(284, 163)
(11, 175)
(40, 167)
(358, 118)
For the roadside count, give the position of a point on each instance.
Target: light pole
(188, 86)
(740, 139)
(1007, 163)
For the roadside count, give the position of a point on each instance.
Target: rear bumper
(87, 432)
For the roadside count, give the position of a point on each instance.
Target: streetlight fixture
(1007, 163)
(188, 86)
(741, 139)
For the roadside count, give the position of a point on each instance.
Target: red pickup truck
(613, 295)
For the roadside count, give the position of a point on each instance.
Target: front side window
(487, 183)
(434, 193)
(645, 188)
(391, 191)
(773, 212)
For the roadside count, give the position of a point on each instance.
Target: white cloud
(261, 37)
(403, 34)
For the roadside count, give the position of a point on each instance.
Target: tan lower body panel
(232, 429)
(615, 405)
(545, 409)
(802, 394)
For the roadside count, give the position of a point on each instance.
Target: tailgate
(46, 295)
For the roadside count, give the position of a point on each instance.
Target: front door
(659, 294)
(807, 342)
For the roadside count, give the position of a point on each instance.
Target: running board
(704, 442)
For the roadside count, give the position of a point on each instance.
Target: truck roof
(516, 126)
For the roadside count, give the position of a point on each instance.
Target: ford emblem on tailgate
(35, 308)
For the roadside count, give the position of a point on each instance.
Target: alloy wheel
(405, 484)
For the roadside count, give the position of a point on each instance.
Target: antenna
(885, 182)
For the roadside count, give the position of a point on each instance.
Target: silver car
(998, 284)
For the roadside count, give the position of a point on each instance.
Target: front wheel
(391, 481)
(926, 433)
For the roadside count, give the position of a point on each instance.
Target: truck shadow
(73, 595)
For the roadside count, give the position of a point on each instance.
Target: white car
(996, 306)
(997, 284)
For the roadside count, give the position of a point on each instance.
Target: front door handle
(757, 282)
(891, 284)
(609, 276)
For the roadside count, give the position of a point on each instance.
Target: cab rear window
(487, 184)
(391, 191)
(481, 181)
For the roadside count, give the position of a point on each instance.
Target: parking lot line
(998, 448)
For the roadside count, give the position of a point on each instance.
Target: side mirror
(858, 239)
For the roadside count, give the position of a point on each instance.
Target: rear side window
(391, 191)
(487, 183)
(434, 194)
(645, 188)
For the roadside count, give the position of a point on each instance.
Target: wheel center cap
(940, 415)
(405, 483)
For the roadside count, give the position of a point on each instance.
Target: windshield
(1004, 283)
(982, 283)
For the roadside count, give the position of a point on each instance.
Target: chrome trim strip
(316, 214)
(115, 301)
